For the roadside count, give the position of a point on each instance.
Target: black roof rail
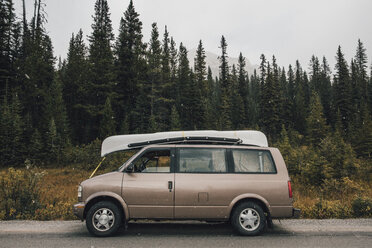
(195, 139)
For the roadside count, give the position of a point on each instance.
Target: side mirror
(130, 168)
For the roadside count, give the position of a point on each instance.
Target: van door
(202, 183)
(149, 188)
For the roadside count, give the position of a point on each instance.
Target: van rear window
(253, 161)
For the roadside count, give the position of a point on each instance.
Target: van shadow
(189, 229)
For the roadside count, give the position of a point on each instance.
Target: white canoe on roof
(131, 141)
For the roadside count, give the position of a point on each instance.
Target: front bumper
(79, 210)
(296, 213)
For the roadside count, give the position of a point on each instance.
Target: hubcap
(249, 219)
(103, 219)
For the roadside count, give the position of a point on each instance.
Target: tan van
(196, 175)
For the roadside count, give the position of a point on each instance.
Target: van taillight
(289, 189)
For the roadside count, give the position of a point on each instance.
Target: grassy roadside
(58, 191)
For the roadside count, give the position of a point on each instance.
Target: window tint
(253, 161)
(202, 160)
(153, 161)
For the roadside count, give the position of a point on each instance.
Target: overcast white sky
(289, 29)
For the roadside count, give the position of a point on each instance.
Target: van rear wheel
(248, 219)
(103, 219)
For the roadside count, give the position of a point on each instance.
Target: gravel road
(286, 233)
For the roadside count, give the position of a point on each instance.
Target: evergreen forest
(56, 112)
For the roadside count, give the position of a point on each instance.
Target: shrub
(362, 207)
(325, 209)
(20, 193)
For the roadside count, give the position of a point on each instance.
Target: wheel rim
(249, 219)
(103, 219)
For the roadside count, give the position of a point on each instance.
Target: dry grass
(58, 192)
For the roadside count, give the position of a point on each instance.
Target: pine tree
(154, 88)
(237, 104)
(7, 47)
(211, 110)
(101, 80)
(200, 70)
(361, 74)
(343, 90)
(11, 132)
(167, 82)
(243, 90)
(130, 67)
(363, 143)
(183, 88)
(225, 114)
(270, 103)
(316, 126)
(326, 91)
(107, 125)
(254, 99)
(175, 124)
(300, 103)
(36, 68)
(75, 76)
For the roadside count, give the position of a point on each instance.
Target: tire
(103, 219)
(248, 219)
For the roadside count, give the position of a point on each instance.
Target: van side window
(202, 160)
(253, 161)
(153, 161)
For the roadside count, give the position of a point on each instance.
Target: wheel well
(103, 198)
(255, 200)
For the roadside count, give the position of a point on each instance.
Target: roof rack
(187, 140)
(133, 141)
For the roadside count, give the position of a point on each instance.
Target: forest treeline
(110, 85)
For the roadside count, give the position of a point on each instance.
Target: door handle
(170, 186)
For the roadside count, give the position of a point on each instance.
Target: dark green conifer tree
(225, 107)
(101, 62)
(316, 127)
(343, 90)
(200, 71)
(75, 79)
(130, 67)
(107, 124)
(243, 90)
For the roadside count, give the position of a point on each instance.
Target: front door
(149, 189)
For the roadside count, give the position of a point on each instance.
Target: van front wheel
(103, 219)
(248, 219)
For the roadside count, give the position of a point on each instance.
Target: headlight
(80, 192)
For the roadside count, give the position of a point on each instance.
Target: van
(196, 175)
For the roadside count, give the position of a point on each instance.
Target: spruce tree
(101, 80)
(200, 70)
(225, 107)
(107, 124)
(175, 123)
(270, 103)
(154, 86)
(300, 102)
(183, 88)
(237, 104)
(130, 67)
(326, 91)
(316, 127)
(361, 79)
(254, 99)
(76, 87)
(343, 89)
(243, 90)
